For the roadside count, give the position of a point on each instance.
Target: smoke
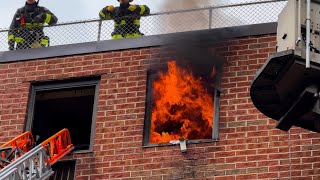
(194, 20)
(185, 4)
(184, 21)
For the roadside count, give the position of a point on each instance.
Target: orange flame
(181, 107)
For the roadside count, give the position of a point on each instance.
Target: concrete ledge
(201, 36)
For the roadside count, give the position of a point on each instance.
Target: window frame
(151, 75)
(63, 84)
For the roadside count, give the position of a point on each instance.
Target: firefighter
(26, 29)
(126, 18)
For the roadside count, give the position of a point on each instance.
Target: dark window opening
(181, 102)
(63, 170)
(66, 108)
(64, 105)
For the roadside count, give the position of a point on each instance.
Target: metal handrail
(173, 12)
(101, 29)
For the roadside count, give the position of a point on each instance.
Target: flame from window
(181, 107)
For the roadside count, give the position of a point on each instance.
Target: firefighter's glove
(39, 18)
(110, 8)
(132, 8)
(11, 44)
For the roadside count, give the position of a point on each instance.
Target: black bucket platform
(285, 90)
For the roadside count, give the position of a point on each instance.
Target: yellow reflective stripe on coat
(123, 22)
(11, 37)
(28, 25)
(105, 16)
(136, 22)
(48, 18)
(133, 35)
(37, 24)
(44, 41)
(18, 39)
(117, 36)
(143, 9)
(102, 14)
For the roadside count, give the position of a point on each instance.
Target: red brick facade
(249, 146)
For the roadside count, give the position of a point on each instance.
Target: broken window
(182, 102)
(63, 170)
(64, 104)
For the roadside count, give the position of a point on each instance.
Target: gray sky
(75, 10)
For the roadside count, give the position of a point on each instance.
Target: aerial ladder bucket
(287, 86)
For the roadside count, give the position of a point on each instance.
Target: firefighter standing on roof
(126, 18)
(26, 29)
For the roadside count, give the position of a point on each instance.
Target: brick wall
(249, 146)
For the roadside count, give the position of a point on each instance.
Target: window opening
(181, 103)
(64, 105)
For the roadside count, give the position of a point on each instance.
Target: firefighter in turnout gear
(126, 18)
(26, 29)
